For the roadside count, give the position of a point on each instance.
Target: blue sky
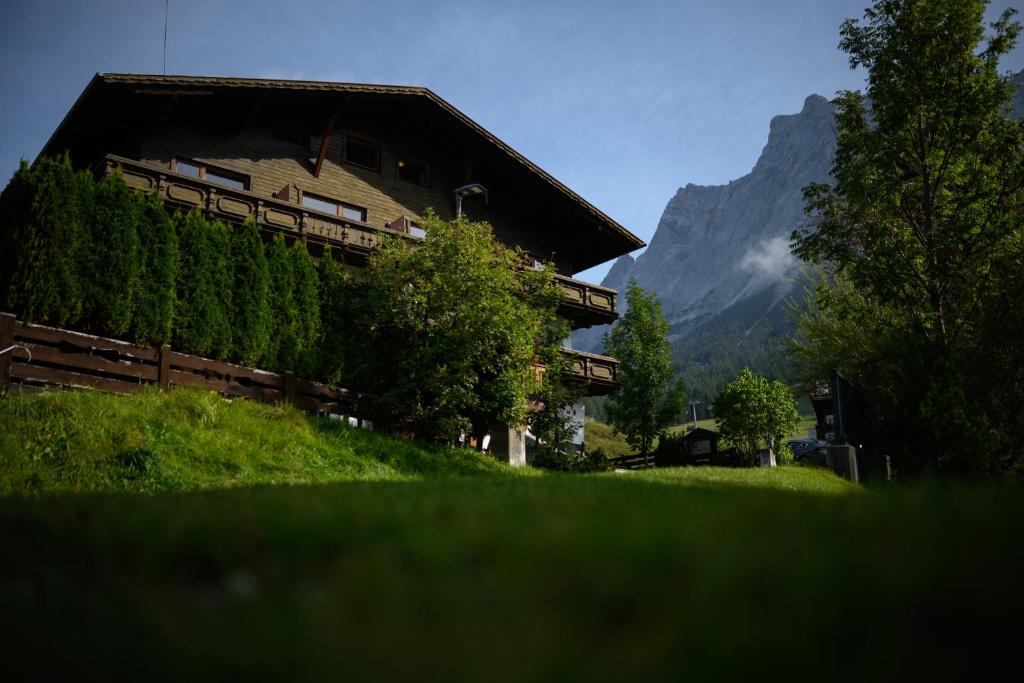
(623, 101)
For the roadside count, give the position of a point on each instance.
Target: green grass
(645, 576)
(405, 569)
(189, 439)
(599, 435)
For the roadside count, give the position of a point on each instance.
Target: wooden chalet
(341, 165)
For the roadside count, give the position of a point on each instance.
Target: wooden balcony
(351, 237)
(600, 374)
(583, 305)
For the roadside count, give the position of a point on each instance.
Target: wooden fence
(52, 357)
(632, 461)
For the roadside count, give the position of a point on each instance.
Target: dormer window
(362, 153)
(331, 206)
(211, 174)
(414, 171)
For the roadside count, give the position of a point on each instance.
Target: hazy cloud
(771, 258)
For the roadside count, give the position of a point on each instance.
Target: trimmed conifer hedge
(100, 257)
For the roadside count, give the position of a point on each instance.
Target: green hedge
(99, 257)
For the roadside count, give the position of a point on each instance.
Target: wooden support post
(325, 143)
(163, 376)
(288, 386)
(6, 339)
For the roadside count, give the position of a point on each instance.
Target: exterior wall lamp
(468, 191)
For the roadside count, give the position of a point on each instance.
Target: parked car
(806, 449)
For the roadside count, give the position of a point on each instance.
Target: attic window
(349, 211)
(211, 174)
(362, 153)
(414, 171)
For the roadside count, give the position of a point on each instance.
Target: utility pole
(693, 404)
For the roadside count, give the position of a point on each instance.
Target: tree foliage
(751, 410)
(111, 258)
(153, 315)
(449, 330)
(306, 284)
(922, 232)
(44, 213)
(648, 399)
(201, 317)
(282, 340)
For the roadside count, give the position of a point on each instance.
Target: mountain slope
(719, 260)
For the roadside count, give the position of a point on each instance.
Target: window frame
(362, 141)
(400, 161)
(336, 202)
(219, 171)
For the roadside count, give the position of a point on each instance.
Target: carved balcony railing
(600, 374)
(270, 214)
(583, 304)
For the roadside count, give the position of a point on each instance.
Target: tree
(43, 214)
(111, 257)
(449, 330)
(307, 309)
(250, 309)
(922, 231)
(340, 319)
(201, 324)
(153, 316)
(282, 338)
(751, 410)
(647, 400)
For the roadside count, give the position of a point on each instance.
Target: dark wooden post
(6, 339)
(288, 386)
(163, 376)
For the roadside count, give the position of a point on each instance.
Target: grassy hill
(188, 439)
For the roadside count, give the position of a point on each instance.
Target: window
(414, 171)
(352, 213)
(362, 153)
(417, 231)
(219, 176)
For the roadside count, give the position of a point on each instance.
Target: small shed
(697, 447)
(701, 445)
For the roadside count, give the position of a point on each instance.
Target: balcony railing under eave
(599, 374)
(583, 304)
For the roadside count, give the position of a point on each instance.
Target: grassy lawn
(416, 573)
(190, 439)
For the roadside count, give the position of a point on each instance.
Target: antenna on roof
(166, 4)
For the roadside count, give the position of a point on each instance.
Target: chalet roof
(192, 85)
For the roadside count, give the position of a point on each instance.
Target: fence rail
(50, 357)
(632, 461)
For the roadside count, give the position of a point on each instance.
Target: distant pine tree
(307, 308)
(44, 230)
(282, 338)
(153, 317)
(200, 319)
(111, 258)
(250, 314)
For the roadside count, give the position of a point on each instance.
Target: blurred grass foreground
(410, 562)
